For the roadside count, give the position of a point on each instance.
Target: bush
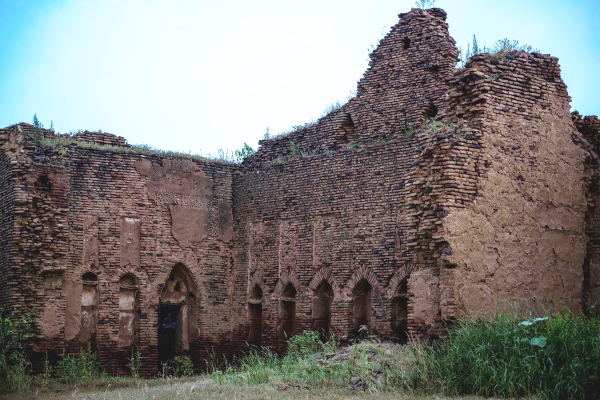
(557, 357)
(308, 343)
(13, 359)
(85, 365)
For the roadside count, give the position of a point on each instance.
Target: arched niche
(255, 316)
(127, 293)
(321, 309)
(287, 313)
(399, 314)
(361, 305)
(89, 310)
(178, 314)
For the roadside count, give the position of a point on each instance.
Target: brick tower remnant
(433, 192)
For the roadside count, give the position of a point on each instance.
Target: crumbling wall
(519, 237)
(8, 291)
(88, 216)
(329, 202)
(589, 128)
(405, 82)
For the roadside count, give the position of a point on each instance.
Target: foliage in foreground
(74, 368)
(311, 363)
(13, 361)
(555, 357)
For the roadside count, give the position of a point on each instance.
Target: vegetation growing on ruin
(552, 357)
(497, 52)
(556, 357)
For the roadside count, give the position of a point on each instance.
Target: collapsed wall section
(519, 237)
(331, 203)
(405, 82)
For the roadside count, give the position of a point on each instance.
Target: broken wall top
(405, 82)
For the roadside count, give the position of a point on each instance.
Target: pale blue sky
(205, 75)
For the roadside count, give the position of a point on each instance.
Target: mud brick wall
(405, 82)
(101, 138)
(8, 291)
(589, 127)
(340, 203)
(115, 214)
(519, 235)
(333, 217)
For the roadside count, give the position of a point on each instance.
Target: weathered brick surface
(589, 127)
(350, 221)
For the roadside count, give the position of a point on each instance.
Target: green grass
(556, 358)
(310, 363)
(62, 143)
(548, 358)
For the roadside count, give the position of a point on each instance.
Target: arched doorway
(399, 317)
(287, 315)
(255, 316)
(361, 307)
(177, 316)
(321, 310)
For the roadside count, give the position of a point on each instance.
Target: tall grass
(309, 362)
(556, 357)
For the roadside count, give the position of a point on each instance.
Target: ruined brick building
(358, 219)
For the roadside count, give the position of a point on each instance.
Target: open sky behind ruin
(205, 75)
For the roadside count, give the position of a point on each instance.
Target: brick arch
(324, 274)
(400, 275)
(284, 279)
(359, 274)
(190, 262)
(256, 279)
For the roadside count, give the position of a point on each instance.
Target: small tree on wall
(425, 3)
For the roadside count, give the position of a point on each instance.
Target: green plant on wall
(425, 3)
(244, 152)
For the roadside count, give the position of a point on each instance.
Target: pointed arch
(361, 273)
(255, 279)
(178, 313)
(286, 314)
(255, 313)
(288, 277)
(324, 274)
(401, 274)
(361, 305)
(398, 293)
(321, 309)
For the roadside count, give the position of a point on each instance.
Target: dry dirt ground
(205, 388)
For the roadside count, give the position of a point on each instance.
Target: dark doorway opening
(168, 327)
(321, 310)
(400, 314)
(255, 316)
(287, 316)
(361, 299)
